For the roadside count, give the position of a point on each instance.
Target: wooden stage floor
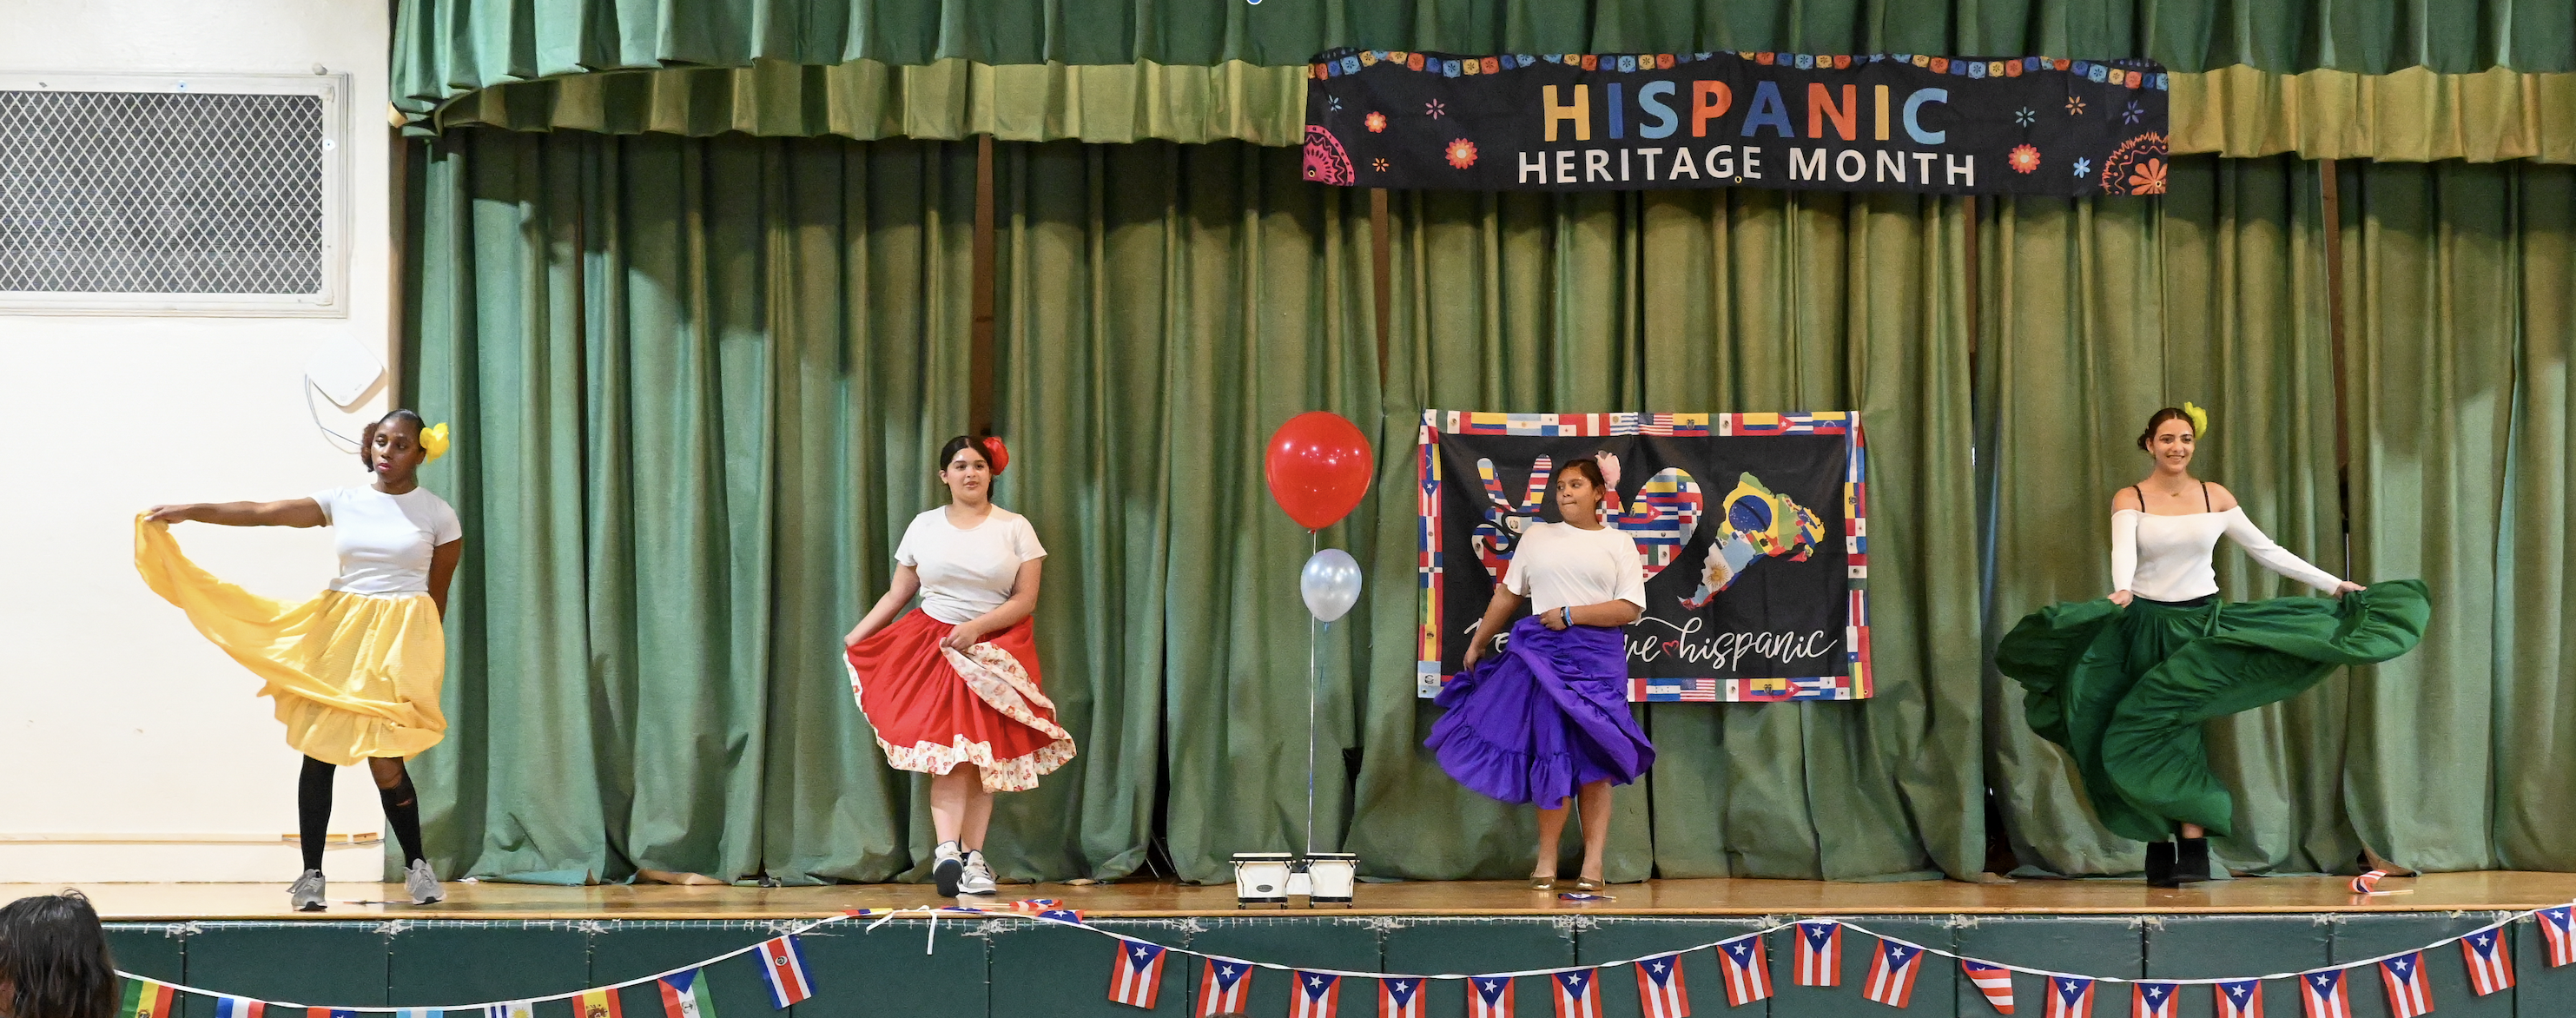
(2441, 892)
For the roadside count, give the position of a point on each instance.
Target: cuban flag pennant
(1820, 954)
(687, 995)
(2558, 927)
(511, 1009)
(2321, 995)
(597, 1004)
(2070, 997)
(1399, 997)
(1993, 981)
(1063, 915)
(1136, 974)
(1748, 970)
(2490, 961)
(2152, 1000)
(1318, 994)
(239, 1007)
(2242, 998)
(782, 966)
(1891, 972)
(2410, 992)
(1660, 993)
(1225, 985)
(1578, 995)
(1489, 997)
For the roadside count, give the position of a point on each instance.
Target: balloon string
(1313, 680)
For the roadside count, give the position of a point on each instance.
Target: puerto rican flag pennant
(1993, 981)
(2242, 998)
(1399, 997)
(2558, 927)
(1318, 995)
(1225, 986)
(2490, 961)
(2410, 992)
(2321, 995)
(687, 995)
(239, 1007)
(1659, 988)
(1489, 997)
(1578, 995)
(1136, 975)
(2152, 1000)
(1820, 954)
(1891, 972)
(1748, 970)
(782, 966)
(2070, 997)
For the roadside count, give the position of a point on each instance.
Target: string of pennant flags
(1225, 985)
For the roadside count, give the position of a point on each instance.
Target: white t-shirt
(384, 540)
(1559, 565)
(966, 573)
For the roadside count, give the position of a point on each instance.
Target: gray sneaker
(306, 895)
(978, 878)
(947, 867)
(422, 884)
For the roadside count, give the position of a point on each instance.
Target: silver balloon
(1331, 584)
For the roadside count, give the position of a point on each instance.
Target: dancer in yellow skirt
(356, 671)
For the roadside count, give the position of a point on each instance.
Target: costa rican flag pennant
(687, 995)
(1660, 993)
(782, 966)
(2070, 997)
(1318, 994)
(1748, 970)
(1578, 995)
(2151, 1000)
(239, 1007)
(1820, 954)
(1136, 977)
(1399, 997)
(2490, 961)
(1489, 997)
(2558, 927)
(1891, 972)
(2242, 998)
(2409, 993)
(2321, 995)
(1993, 981)
(1225, 985)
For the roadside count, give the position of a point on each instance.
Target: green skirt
(2126, 692)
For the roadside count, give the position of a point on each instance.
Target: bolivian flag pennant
(145, 999)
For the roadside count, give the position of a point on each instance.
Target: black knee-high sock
(402, 810)
(313, 809)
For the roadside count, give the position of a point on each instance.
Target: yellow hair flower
(2199, 421)
(435, 441)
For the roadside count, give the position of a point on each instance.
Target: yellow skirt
(354, 675)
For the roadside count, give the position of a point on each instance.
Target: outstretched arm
(2279, 560)
(293, 512)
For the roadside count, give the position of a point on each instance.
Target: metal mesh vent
(160, 192)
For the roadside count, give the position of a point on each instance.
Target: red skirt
(934, 708)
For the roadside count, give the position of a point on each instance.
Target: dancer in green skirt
(2124, 683)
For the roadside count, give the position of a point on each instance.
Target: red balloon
(1318, 467)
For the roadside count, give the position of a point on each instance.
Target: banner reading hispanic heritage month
(1751, 527)
(1800, 121)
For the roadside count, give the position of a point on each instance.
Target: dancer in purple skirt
(1546, 720)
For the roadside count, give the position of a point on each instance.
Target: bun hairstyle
(2170, 413)
(54, 959)
(983, 447)
(367, 438)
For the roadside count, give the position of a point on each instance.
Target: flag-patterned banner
(1578, 995)
(145, 999)
(2410, 993)
(597, 1004)
(1489, 997)
(2152, 1000)
(687, 995)
(1660, 993)
(1225, 985)
(1993, 981)
(1399, 997)
(2558, 927)
(2490, 961)
(1136, 973)
(1318, 995)
(1892, 969)
(1820, 954)
(2070, 997)
(2321, 995)
(239, 1007)
(2241, 998)
(1748, 970)
(782, 966)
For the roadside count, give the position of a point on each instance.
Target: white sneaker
(948, 865)
(306, 895)
(422, 884)
(978, 878)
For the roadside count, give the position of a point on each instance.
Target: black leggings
(313, 810)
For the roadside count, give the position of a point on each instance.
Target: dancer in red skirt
(952, 687)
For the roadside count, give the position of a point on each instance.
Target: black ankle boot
(2191, 861)
(2160, 864)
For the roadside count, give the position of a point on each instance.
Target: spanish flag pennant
(597, 1004)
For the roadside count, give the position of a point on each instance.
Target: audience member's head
(54, 961)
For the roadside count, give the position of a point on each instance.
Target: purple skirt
(1543, 718)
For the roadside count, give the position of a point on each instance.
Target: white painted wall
(114, 715)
